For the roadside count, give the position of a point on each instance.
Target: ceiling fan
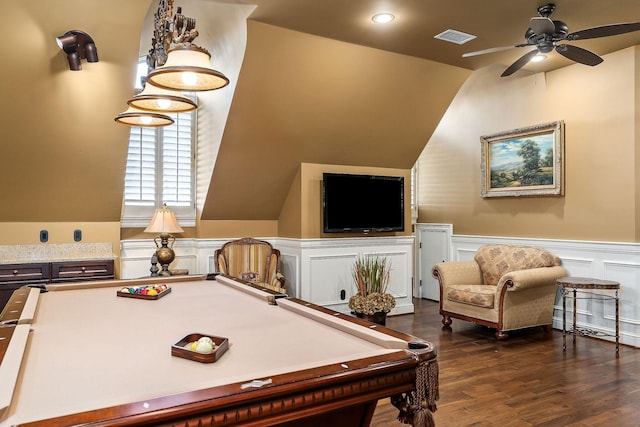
(544, 34)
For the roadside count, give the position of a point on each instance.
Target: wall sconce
(77, 45)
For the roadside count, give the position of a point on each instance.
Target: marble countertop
(55, 252)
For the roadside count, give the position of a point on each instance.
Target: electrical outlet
(44, 236)
(77, 235)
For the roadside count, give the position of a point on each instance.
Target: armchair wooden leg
(446, 320)
(547, 328)
(501, 335)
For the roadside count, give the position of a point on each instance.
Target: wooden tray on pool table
(181, 348)
(142, 296)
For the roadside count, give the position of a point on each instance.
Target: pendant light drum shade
(153, 98)
(187, 68)
(135, 117)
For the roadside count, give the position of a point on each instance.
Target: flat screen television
(362, 203)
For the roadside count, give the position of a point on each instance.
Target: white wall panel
(619, 262)
(316, 270)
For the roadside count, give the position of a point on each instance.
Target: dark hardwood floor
(526, 380)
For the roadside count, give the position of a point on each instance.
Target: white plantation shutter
(177, 161)
(140, 178)
(160, 169)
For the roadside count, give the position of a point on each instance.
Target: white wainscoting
(316, 270)
(619, 262)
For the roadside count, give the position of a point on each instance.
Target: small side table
(574, 285)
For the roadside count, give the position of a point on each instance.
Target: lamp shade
(135, 117)
(164, 221)
(153, 98)
(187, 68)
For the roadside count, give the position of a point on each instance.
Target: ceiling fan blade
(540, 25)
(521, 62)
(604, 31)
(578, 54)
(490, 50)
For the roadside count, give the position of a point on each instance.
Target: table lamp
(164, 222)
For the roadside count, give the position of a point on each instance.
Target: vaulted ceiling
(496, 23)
(302, 98)
(320, 84)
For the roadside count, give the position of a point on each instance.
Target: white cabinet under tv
(326, 269)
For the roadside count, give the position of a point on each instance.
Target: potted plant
(371, 276)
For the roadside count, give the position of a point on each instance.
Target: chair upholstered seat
(505, 287)
(479, 295)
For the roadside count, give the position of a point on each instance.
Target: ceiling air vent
(453, 36)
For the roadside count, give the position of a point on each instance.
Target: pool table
(83, 354)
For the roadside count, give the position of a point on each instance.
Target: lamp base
(165, 254)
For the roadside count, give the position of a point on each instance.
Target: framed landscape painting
(523, 162)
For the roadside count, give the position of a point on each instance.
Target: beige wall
(307, 99)
(63, 156)
(236, 229)
(600, 108)
(303, 100)
(28, 233)
(290, 220)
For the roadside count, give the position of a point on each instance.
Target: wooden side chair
(253, 260)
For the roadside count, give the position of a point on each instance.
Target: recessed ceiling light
(382, 18)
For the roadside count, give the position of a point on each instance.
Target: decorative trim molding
(316, 270)
(615, 261)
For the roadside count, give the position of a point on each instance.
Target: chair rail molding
(317, 270)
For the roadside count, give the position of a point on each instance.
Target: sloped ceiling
(495, 23)
(300, 98)
(303, 98)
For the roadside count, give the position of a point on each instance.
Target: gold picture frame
(523, 162)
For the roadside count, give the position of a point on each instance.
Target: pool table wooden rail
(338, 394)
(305, 397)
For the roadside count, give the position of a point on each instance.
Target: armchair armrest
(457, 272)
(534, 277)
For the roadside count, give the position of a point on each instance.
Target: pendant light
(153, 98)
(188, 68)
(135, 117)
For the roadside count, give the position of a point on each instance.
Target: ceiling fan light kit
(546, 35)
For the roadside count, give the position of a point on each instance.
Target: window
(160, 169)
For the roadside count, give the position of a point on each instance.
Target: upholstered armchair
(253, 260)
(505, 287)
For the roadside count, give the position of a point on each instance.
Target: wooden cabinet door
(13, 276)
(69, 271)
